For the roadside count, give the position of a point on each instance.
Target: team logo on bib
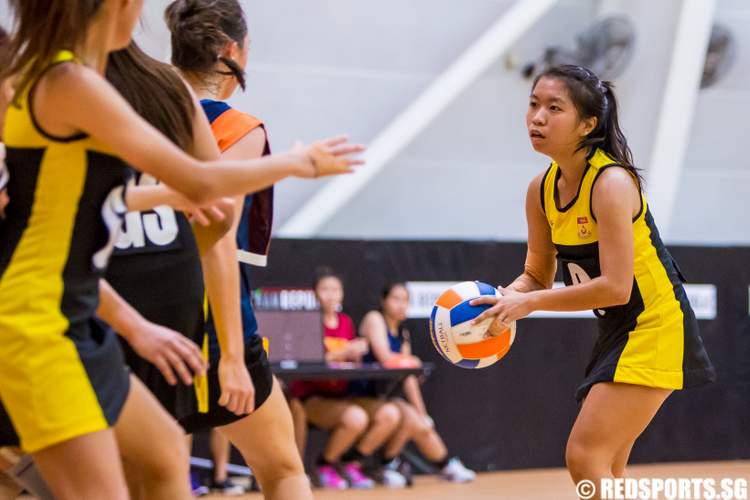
(584, 228)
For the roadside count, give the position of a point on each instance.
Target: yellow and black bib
(62, 372)
(652, 340)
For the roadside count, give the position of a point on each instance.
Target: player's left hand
(511, 306)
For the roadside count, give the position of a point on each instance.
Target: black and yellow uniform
(653, 340)
(62, 373)
(156, 268)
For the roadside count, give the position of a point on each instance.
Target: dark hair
(593, 97)
(200, 28)
(384, 293)
(388, 288)
(322, 273)
(155, 91)
(41, 30)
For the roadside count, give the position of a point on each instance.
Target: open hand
(328, 157)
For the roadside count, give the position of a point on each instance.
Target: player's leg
(621, 460)
(220, 449)
(299, 419)
(83, 468)
(134, 478)
(9, 489)
(611, 419)
(150, 437)
(266, 440)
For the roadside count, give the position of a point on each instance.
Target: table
(350, 371)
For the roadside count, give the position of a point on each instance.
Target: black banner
(518, 413)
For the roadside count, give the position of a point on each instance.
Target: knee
(171, 461)
(355, 419)
(588, 458)
(415, 423)
(388, 416)
(271, 470)
(578, 459)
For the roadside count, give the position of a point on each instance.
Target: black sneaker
(227, 488)
(404, 468)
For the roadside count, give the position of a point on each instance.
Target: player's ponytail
(156, 92)
(595, 98)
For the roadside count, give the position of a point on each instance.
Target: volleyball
(460, 342)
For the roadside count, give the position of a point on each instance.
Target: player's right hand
(332, 156)
(237, 389)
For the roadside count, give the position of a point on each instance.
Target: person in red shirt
(358, 426)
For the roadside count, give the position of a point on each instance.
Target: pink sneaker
(329, 477)
(357, 479)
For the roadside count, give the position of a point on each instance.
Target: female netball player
(151, 341)
(588, 209)
(167, 248)
(210, 48)
(56, 356)
(389, 339)
(161, 242)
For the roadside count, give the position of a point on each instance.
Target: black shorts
(185, 317)
(260, 372)
(167, 289)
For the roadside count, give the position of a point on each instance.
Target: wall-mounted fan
(605, 47)
(720, 55)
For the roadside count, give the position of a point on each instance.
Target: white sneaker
(393, 478)
(456, 472)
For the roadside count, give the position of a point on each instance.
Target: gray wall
(319, 67)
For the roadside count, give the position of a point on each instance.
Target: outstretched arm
(57, 107)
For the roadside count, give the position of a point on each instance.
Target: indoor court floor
(529, 484)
